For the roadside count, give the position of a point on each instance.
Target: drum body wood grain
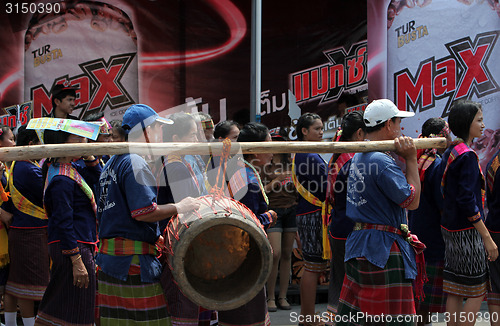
(219, 255)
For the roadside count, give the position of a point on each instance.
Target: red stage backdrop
(185, 55)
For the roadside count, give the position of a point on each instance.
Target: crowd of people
(403, 233)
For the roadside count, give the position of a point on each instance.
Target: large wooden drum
(219, 255)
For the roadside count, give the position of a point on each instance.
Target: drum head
(221, 260)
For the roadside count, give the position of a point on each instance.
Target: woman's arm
(489, 244)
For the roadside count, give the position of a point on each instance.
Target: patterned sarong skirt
(63, 303)
(29, 263)
(310, 231)
(435, 298)
(370, 291)
(131, 302)
(465, 263)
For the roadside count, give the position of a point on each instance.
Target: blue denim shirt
(127, 189)
(378, 193)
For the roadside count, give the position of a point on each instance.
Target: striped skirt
(131, 302)
(494, 293)
(29, 263)
(435, 298)
(375, 291)
(253, 313)
(465, 264)
(63, 303)
(182, 311)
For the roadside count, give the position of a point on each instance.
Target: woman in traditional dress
(425, 221)
(177, 180)
(283, 200)
(251, 194)
(465, 235)
(224, 129)
(28, 249)
(71, 209)
(352, 129)
(310, 173)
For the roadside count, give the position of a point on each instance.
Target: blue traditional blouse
(462, 205)
(378, 193)
(312, 172)
(28, 180)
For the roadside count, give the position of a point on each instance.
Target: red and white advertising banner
(183, 55)
(437, 52)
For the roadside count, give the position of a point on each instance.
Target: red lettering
(23, 116)
(315, 81)
(446, 81)
(41, 102)
(305, 83)
(336, 76)
(356, 69)
(406, 89)
(297, 81)
(107, 85)
(9, 121)
(474, 71)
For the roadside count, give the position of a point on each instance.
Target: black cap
(59, 88)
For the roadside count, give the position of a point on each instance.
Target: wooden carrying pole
(158, 149)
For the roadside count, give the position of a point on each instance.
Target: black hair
(305, 121)
(349, 99)
(25, 136)
(52, 137)
(180, 127)
(462, 114)
(61, 95)
(253, 132)
(280, 134)
(55, 137)
(223, 128)
(433, 126)
(117, 124)
(379, 126)
(351, 123)
(4, 130)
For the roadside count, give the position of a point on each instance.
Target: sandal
(271, 308)
(283, 304)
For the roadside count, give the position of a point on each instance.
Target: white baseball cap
(379, 111)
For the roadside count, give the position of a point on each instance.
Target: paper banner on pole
(75, 127)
